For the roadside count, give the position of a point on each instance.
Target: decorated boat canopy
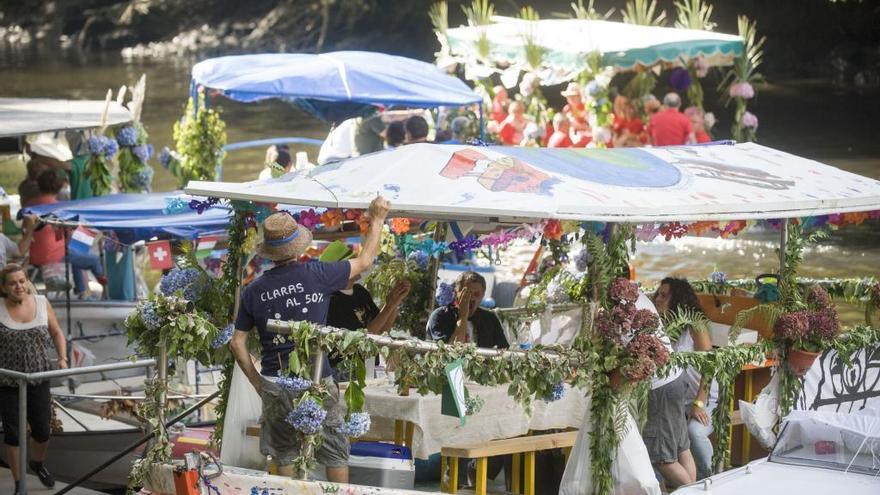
(567, 43)
(355, 79)
(519, 184)
(22, 116)
(137, 217)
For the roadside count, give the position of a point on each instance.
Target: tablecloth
(500, 416)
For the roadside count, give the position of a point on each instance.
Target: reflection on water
(789, 112)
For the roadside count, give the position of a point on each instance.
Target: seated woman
(701, 398)
(665, 432)
(464, 320)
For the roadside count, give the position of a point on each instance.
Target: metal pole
(135, 445)
(434, 266)
(105, 291)
(23, 440)
(783, 244)
(163, 379)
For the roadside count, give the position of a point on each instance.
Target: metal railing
(24, 378)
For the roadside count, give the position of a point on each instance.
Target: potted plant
(806, 332)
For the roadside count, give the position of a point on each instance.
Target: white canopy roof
(21, 116)
(712, 182)
(567, 44)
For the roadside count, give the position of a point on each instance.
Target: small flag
(81, 241)
(160, 255)
(206, 245)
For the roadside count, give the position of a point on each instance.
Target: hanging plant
(199, 138)
(135, 173)
(102, 151)
(738, 84)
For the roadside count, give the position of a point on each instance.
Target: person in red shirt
(669, 127)
(499, 104)
(560, 137)
(511, 131)
(698, 121)
(576, 111)
(628, 129)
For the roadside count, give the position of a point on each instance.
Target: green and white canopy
(568, 42)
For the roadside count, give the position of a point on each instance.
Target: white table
(499, 418)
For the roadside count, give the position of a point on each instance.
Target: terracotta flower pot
(800, 361)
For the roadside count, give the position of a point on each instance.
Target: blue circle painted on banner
(627, 167)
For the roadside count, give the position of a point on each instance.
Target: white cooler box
(381, 464)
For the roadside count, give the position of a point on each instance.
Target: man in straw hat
(297, 291)
(576, 111)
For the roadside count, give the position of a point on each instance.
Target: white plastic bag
(243, 408)
(631, 470)
(762, 416)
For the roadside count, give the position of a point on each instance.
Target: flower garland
(102, 150)
(135, 173)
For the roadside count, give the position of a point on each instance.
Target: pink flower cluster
(824, 324)
(749, 120)
(645, 320)
(646, 354)
(792, 326)
(623, 291)
(818, 298)
(742, 90)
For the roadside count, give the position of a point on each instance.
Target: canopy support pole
(67, 267)
(482, 131)
(783, 244)
(434, 266)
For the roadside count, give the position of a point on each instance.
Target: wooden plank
(512, 445)
(252, 430)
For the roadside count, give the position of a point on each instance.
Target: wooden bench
(525, 446)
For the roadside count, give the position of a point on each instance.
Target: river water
(805, 117)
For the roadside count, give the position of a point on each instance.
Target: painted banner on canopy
(637, 185)
(833, 385)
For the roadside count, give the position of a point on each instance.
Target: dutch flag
(81, 241)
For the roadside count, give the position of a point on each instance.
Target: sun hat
(283, 238)
(573, 89)
(336, 251)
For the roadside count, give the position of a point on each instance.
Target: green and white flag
(452, 400)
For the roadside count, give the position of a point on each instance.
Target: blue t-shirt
(294, 291)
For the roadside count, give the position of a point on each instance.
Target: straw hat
(283, 238)
(573, 89)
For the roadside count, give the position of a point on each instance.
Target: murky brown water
(807, 118)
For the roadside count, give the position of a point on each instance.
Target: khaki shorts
(280, 440)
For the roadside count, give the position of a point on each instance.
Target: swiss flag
(160, 255)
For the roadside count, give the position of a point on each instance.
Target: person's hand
(29, 223)
(699, 414)
(62, 364)
(379, 208)
(464, 303)
(399, 292)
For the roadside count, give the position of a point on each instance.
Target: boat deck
(7, 485)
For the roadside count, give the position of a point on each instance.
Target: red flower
(622, 290)
(674, 229)
(553, 230)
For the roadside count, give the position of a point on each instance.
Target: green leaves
(199, 138)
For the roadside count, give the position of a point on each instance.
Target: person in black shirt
(352, 308)
(464, 320)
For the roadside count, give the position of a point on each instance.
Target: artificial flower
(741, 90)
(400, 225)
(553, 230)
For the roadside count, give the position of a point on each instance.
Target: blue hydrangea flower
(444, 294)
(127, 136)
(110, 148)
(556, 292)
(557, 393)
(223, 337)
(294, 384)
(718, 278)
(143, 152)
(150, 316)
(190, 281)
(96, 145)
(593, 88)
(307, 417)
(420, 259)
(358, 425)
(144, 178)
(581, 259)
(165, 157)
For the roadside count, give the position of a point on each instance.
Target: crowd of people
(634, 123)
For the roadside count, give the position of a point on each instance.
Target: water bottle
(524, 335)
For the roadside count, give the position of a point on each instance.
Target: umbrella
(336, 84)
(21, 116)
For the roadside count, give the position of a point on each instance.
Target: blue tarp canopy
(137, 217)
(333, 85)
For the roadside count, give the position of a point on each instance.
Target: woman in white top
(28, 329)
(673, 295)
